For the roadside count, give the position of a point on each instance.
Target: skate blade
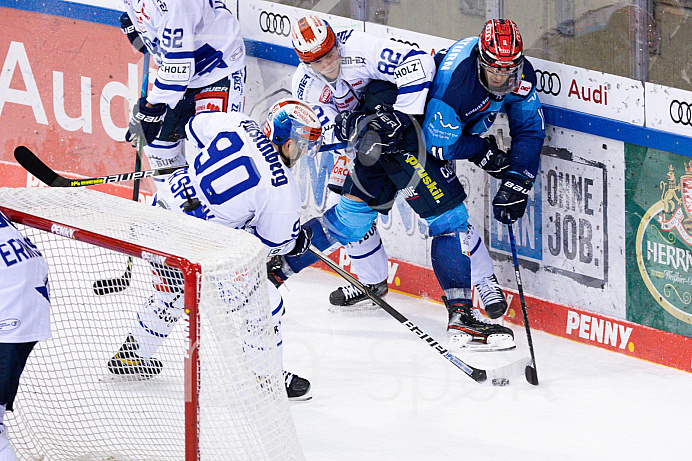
(496, 343)
(302, 398)
(366, 306)
(134, 378)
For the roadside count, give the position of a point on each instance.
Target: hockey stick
(47, 175)
(530, 372)
(140, 145)
(106, 286)
(501, 374)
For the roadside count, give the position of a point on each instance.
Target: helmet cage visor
(500, 80)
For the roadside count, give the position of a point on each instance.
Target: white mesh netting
(70, 407)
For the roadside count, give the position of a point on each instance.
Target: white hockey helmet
(291, 119)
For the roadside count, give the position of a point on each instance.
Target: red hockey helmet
(312, 38)
(501, 56)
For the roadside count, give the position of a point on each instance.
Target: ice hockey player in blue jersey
(476, 78)
(238, 177)
(24, 315)
(200, 55)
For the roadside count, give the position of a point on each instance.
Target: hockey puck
(500, 381)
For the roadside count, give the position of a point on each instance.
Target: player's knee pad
(452, 265)
(449, 221)
(349, 220)
(321, 239)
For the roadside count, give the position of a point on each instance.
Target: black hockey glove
(302, 241)
(493, 159)
(510, 201)
(131, 32)
(347, 126)
(146, 121)
(276, 272)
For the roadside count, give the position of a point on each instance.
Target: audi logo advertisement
(680, 112)
(548, 82)
(274, 23)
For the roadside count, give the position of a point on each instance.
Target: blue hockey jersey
(459, 109)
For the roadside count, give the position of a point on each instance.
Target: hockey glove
(276, 273)
(131, 32)
(302, 241)
(510, 201)
(146, 121)
(493, 159)
(346, 126)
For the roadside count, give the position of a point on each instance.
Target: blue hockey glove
(146, 121)
(510, 201)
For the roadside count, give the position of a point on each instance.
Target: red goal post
(221, 394)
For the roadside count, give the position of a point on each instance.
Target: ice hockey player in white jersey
(333, 76)
(200, 55)
(24, 315)
(239, 177)
(334, 72)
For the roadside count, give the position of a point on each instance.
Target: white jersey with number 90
(239, 178)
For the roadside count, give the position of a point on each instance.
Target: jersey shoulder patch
(523, 89)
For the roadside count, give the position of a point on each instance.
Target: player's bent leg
(155, 320)
(297, 388)
(369, 263)
(483, 276)
(466, 327)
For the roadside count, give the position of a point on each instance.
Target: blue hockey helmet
(291, 119)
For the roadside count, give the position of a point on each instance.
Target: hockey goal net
(220, 394)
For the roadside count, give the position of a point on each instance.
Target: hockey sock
(481, 263)
(254, 339)
(164, 154)
(452, 265)
(368, 258)
(155, 321)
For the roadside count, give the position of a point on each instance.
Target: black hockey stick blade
(477, 374)
(116, 285)
(45, 174)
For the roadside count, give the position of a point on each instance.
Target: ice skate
(297, 388)
(127, 362)
(350, 298)
(469, 330)
(492, 297)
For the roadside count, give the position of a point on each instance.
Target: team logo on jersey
(449, 126)
(523, 89)
(409, 72)
(174, 72)
(211, 100)
(9, 324)
(326, 95)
